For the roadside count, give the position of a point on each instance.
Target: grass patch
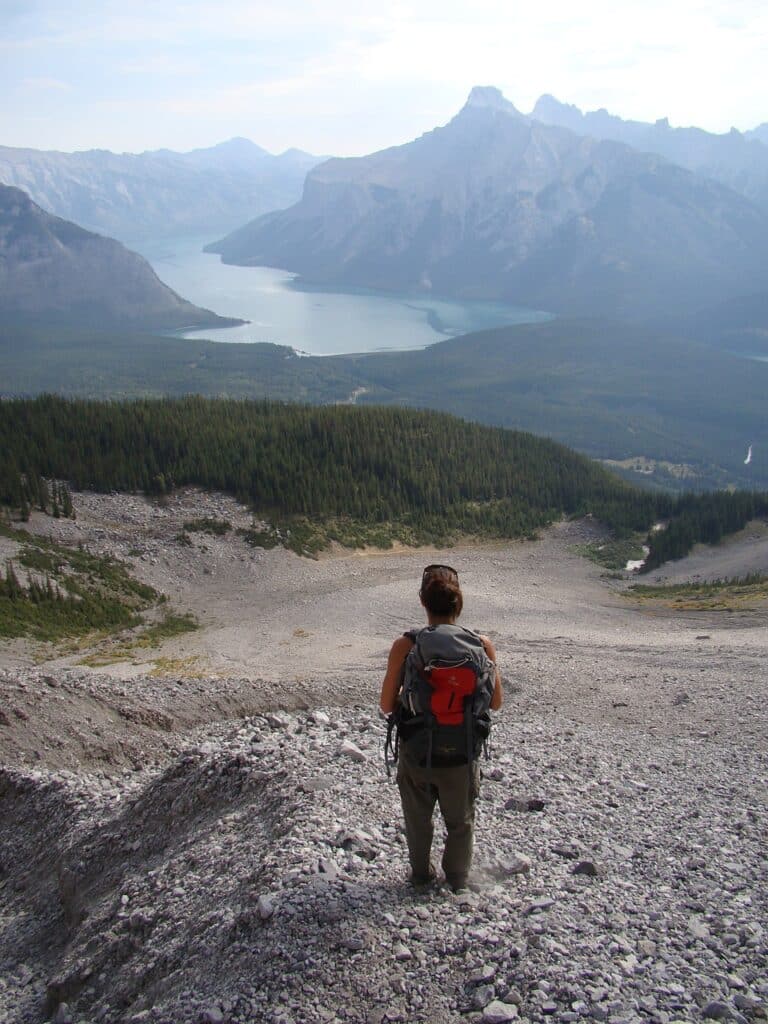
(190, 668)
(308, 537)
(170, 626)
(614, 554)
(151, 636)
(265, 538)
(209, 524)
(725, 595)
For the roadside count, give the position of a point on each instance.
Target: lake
(312, 321)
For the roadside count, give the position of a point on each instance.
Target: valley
(224, 464)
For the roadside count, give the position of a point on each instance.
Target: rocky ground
(205, 832)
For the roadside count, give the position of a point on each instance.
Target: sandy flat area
(277, 630)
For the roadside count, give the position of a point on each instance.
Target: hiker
(435, 763)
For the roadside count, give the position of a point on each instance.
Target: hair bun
(441, 595)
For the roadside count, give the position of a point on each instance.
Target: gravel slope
(175, 848)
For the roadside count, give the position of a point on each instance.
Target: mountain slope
(136, 196)
(737, 160)
(608, 389)
(52, 270)
(611, 390)
(495, 205)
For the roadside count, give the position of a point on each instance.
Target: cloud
(301, 68)
(45, 84)
(161, 64)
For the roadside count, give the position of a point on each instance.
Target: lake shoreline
(280, 308)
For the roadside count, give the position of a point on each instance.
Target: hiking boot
(419, 881)
(457, 883)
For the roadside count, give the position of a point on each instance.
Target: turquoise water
(312, 321)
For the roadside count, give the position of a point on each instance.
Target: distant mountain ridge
(53, 271)
(140, 196)
(501, 206)
(738, 160)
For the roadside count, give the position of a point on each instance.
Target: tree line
(705, 519)
(430, 473)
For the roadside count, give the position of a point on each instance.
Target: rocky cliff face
(737, 160)
(54, 271)
(497, 205)
(137, 196)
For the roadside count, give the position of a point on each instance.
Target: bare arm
(498, 695)
(390, 688)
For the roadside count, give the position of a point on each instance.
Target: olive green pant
(455, 789)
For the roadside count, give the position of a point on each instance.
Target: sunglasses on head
(432, 570)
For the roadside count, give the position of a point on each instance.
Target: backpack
(443, 707)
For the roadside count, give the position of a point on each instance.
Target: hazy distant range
(136, 196)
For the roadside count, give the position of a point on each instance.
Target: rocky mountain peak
(488, 97)
(238, 144)
(551, 110)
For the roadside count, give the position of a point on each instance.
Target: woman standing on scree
(454, 787)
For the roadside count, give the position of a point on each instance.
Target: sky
(337, 77)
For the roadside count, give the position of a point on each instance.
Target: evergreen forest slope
(610, 390)
(355, 475)
(427, 473)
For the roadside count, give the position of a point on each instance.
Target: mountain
(737, 325)
(52, 270)
(760, 133)
(737, 160)
(135, 197)
(496, 205)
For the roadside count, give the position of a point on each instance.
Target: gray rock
(518, 864)
(718, 1010)
(749, 1004)
(698, 928)
(539, 905)
(497, 1012)
(328, 867)
(348, 749)
(524, 804)
(483, 995)
(317, 785)
(563, 850)
(483, 974)
(586, 867)
(276, 720)
(265, 907)
(213, 1015)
